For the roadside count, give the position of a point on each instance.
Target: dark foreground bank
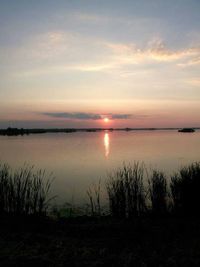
(148, 225)
(100, 242)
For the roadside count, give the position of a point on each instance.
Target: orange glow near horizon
(106, 120)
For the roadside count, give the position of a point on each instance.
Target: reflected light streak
(107, 144)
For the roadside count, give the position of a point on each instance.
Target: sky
(73, 63)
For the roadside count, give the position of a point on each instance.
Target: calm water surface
(79, 159)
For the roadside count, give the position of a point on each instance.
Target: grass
(126, 191)
(142, 240)
(157, 185)
(24, 191)
(129, 196)
(93, 194)
(185, 190)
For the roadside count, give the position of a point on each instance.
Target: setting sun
(106, 119)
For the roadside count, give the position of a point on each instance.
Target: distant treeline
(21, 131)
(15, 131)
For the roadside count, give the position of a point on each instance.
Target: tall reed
(94, 193)
(185, 190)
(158, 193)
(126, 192)
(24, 191)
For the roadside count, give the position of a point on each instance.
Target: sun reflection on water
(107, 144)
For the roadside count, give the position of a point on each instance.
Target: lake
(80, 159)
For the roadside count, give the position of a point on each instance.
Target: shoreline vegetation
(22, 131)
(132, 191)
(153, 220)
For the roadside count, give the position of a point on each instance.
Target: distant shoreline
(23, 131)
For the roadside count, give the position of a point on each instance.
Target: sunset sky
(70, 63)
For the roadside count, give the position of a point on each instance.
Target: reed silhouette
(126, 191)
(185, 186)
(94, 193)
(24, 191)
(130, 197)
(132, 192)
(157, 185)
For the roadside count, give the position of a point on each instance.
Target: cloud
(61, 52)
(86, 116)
(90, 17)
(195, 61)
(74, 115)
(194, 82)
(120, 116)
(155, 50)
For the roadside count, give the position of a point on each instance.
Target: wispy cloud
(62, 52)
(86, 116)
(155, 50)
(192, 62)
(74, 115)
(120, 116)
(89, 17)
(194, 82)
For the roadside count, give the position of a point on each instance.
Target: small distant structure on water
(186, 130)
